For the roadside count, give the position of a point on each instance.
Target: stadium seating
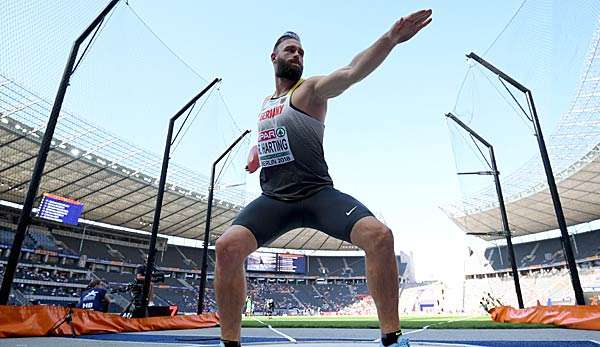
(115, 278)
(342, 266)
(549, 286)
(130, 255)
(172, 257)
(7, 235)
(315, 268)
(115, 262)
(357, 264)
(335, 265)
(93, 249)
(42, 239)
(336, 296)
(587, 244)
(309, 296)
(194, 255)
(545, 252)
(361, 289)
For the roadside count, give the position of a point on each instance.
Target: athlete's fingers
(424, 24)
(419, 15)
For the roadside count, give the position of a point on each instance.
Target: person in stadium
(269, 306)
(297, 189)
(95, 297)
(140, 276)
(249, 306)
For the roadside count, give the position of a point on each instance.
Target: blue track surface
(521, 343)
(213, 340)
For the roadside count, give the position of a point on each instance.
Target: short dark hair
(285, 36)
(94, 283)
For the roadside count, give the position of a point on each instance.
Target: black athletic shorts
(328, 210)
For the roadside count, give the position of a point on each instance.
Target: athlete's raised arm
(334, 84)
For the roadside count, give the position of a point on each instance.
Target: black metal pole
(508, 233)
(560, 217)
(503, 214)
(160, 195)
(564, 234)
(38, 170)
(203, 274)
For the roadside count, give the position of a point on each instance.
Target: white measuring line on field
(291, 339)
(427, 326)
(422, 343)
(439, 323)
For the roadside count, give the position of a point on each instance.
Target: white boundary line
(289, 338)
(445, 344)
(427, 326)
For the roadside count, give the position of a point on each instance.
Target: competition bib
(274, 147)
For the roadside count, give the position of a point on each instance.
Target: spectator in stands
(95, 297)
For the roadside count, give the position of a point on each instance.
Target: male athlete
(297, 189)
(95, 297)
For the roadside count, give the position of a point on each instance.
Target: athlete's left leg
(345, 218)
(377, 241)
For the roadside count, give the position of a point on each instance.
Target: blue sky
(386, 140)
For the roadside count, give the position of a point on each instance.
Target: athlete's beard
(288, 70)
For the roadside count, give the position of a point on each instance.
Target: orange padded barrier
(20, 321)
(574, 317)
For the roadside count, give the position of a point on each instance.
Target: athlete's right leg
(259, 222)
(232, 248)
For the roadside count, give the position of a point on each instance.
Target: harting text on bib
(274, 147)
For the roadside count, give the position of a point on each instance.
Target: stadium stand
(542, 268)
(194, 257)
(7, 235)
(54, 271)
(361, 289)
(115, 278)
(336, 296)
(544, 252)
(334, 266)
(315, 267)
(42, 239)
(172, 257)
(357, 264)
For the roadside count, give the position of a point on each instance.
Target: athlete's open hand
(407, 27)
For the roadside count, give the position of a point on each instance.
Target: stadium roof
(574, 151)
(116, 181)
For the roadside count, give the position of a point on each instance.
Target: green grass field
(407, 322)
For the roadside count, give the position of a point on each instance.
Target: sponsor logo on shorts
(352, 210)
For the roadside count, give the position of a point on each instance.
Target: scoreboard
(59, 209)
(260, 261)
(276, 262)
(294, 263)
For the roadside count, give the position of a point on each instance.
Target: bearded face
(288, 70)
(288, 59)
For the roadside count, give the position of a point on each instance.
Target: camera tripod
(68, 318)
